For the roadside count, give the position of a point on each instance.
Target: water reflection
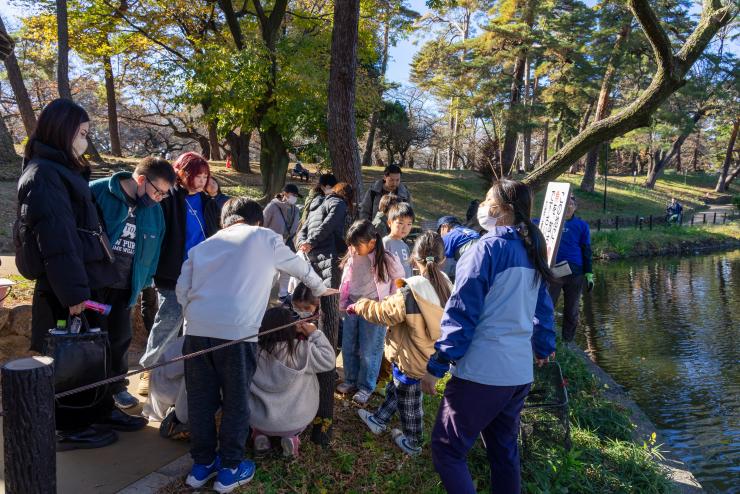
(668, 330)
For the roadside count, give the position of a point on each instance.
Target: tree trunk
(273, 162)
(322, 430)
(239, 149)
(514, 114)
(732, 176)
(695, 155)
(19, 88)
(678, 160)
(367, 158)
(345, 156)
(660, 164)
(603, 105)
(722, 182)
(581, 126)
(110, 93)
(63, 51)
(668, 78)
(527, 132)
(28, 426)
(213, 138)
(8, 156)
(545, 141)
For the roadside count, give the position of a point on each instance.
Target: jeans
(118, 325)
(216, 380)
(167, 324)
(572, 285)
(467, 410)
(362, 352)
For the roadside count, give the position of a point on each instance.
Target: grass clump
(602, 459)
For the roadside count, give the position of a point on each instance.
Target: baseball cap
(447, 220)
(292, 189)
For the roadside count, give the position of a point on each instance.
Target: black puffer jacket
(324, 230)
(173, 245)
(54, 206)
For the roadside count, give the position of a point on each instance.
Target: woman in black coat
(58, 244)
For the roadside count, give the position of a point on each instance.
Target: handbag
(79, 359)
(104, 242)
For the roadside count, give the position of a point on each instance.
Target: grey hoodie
(282, 218)
(284, 393)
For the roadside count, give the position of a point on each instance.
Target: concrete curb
(168, 474)
(683, 480)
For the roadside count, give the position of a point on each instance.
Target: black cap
(292, 189)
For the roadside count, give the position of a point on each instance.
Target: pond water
(668, 330)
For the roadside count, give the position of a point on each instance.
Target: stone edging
(168, 474)
(683, 480)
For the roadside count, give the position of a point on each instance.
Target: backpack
(27, 253)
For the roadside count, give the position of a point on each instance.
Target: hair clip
(429, 259)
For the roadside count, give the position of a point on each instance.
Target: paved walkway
(111, 469)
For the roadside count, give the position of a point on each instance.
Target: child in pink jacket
(368, 272)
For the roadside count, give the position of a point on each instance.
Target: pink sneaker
(261, 445)
(290, 446)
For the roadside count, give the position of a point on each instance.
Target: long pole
(605, 150)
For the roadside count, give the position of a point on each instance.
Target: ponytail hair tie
(429, 259)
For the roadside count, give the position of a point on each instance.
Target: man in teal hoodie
(130, 210)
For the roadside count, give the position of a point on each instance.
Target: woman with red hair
(190, 216)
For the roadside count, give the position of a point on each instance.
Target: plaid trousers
(407, 400)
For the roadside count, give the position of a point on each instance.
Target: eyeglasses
(158, 193)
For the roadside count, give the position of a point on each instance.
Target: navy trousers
(467, 410)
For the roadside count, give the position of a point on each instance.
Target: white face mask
(485, 220)
(292, 199)
(304, 314)
(79, 146)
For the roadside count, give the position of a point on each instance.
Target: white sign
(553, 217)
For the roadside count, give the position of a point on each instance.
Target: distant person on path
(575, 248)
(674, 212)
(380, 222)
(498, 319)
(324, 186)
(301, 172)
(190, 217)
(129, 204)
(457, 239)
(413, 315)
(59, 232)
(224, 289)
(389, 184)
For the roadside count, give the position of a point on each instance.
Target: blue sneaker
(201, 474)
(229, 479)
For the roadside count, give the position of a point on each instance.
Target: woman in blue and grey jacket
(499, 314)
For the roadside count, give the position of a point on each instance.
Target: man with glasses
(133, 219)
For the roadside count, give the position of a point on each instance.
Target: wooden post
(650, 220)
(28, 426)
(637, 221)
(705, 218)
(692, 219)
(598, 225)
(640, 221)
(714, 220)
(616, 222)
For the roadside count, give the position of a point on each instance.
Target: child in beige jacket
(413, 314)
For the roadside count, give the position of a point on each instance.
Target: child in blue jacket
(498, 315)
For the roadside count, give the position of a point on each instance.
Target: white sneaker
(345, 388)
(371, 422)
(361, 397)
(403, 443)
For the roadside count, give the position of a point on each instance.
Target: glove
(351, 310)
(589, 282)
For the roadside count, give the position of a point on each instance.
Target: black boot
(121, 421)
(89, 438)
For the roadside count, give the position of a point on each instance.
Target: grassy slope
(603, 458)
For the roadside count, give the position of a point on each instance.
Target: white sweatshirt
(224, 286)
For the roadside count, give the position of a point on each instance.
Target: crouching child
(284, 394)
(224, 289)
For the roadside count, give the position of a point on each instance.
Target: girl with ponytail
(413, 314)
(498, 316)
(370, 272)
